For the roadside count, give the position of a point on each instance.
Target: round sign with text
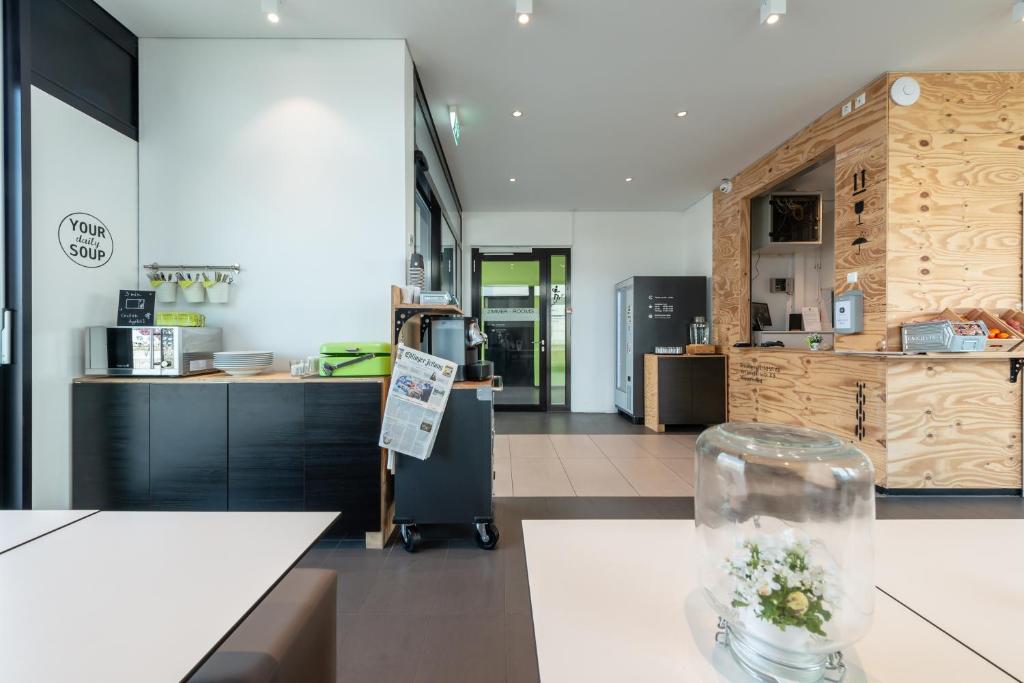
(85, 240)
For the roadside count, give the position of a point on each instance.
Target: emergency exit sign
(453, 119)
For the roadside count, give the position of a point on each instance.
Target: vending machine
(651, 311)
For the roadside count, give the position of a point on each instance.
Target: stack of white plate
(243, 363)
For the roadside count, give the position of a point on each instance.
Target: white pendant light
(772, 11)
(1018, 12)
(524, 11)
(272, 10)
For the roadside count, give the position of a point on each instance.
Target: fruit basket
(1002, 336)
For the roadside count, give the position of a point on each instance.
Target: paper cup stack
(243, 363)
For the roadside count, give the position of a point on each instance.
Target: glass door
(559, 313)
(522, 302)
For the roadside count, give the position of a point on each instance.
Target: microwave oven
(151, 351)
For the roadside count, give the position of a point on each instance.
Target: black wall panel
(342, 466)
(110, 446)
(266, 446)
(188, 446)
(85, 57)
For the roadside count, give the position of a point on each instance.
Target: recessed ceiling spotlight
(680, 114)
(772, 11)
(1018, 12)
(524, 11)
(511, 180)
(271, 11)
(517, 113)
(629, 180)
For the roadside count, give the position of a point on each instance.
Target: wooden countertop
(272, 377)
(778, 349)
(223, 378)
(890, 355)
(466, 384)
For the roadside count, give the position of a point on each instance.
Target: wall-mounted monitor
(760, 316)
(796, 217)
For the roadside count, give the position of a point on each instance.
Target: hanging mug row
(196, 287)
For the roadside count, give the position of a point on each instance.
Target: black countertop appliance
(453, 337)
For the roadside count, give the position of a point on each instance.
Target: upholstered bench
(290, 636)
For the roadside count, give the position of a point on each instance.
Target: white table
(21, 526)
(966, 576)
(140, 596)
(617, 600)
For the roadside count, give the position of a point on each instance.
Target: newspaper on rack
(420, 384)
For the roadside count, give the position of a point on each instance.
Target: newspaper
(420, 385)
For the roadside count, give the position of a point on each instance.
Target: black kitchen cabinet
(188, 446)
(110, 442)
(202, 444)
(342, 465)
(708, 382)
(266, 446)
(684, 390)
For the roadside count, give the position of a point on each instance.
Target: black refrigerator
(649, 312)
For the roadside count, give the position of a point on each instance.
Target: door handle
(5, 338)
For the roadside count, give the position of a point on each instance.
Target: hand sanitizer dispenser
(849, 312)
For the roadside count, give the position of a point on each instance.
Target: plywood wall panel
(861, 183)
(974, 102)
(731, 249)
(953, 425)
(730, 305)
(815, 390)
(943, 219)
(815, 142)
(956, 173)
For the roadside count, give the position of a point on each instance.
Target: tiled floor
(593, 465)
(567, 423)
(452, 612)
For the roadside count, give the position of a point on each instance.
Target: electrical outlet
(847, 108)
(851, 278)
(861, 100)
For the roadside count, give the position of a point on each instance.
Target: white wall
(606, 248)
(79, 165)
(292, 158)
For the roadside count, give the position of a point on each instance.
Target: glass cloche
(784, 531)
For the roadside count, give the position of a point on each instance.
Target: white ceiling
(600, 80)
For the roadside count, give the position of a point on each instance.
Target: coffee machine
(453, 337)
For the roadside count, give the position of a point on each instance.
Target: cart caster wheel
(410, 539)
(486, 536)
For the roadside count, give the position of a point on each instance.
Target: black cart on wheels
(454, 485)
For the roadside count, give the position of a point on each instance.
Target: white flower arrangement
(776, 577)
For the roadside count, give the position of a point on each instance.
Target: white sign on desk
(812, 319)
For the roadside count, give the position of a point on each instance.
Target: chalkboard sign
(135, 308)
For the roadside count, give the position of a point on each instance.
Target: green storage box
(355, 359)
(180, 319)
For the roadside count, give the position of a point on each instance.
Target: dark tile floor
(453, 613)
(569, 423)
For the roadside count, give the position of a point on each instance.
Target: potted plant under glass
(784, 519)
(814, 341)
